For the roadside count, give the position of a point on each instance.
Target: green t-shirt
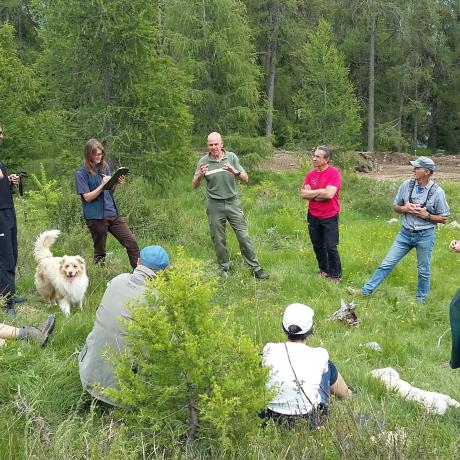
(221, 184)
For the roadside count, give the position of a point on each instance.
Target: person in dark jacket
(8, 237)
(99, 208)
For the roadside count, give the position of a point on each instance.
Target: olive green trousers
(219, 212)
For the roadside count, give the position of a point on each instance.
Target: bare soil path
(392, 166)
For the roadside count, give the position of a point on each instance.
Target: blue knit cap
(154, 257)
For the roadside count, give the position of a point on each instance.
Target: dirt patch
(283, 160)
(391, 166)
(395, 166)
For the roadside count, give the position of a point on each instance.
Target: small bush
(199, 376)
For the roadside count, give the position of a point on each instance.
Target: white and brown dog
(60, 279)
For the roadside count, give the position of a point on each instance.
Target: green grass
(58, 420)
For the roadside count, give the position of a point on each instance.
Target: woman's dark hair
(291, 333)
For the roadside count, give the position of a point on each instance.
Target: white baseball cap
(298, 314)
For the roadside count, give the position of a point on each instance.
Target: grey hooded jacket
(108, 333)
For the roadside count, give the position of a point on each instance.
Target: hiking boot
(354, 292)
(10, 311)
(40, 333)
(260, 275)
(19, 298)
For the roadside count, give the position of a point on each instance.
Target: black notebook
(113, 180)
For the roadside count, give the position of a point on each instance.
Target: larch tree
(326, 106)
(104, 65)
(212, 41)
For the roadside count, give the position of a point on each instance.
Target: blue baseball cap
(154, 257)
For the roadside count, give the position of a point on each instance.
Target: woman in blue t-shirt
(99, 208)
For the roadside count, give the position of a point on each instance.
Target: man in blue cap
(108, 333)
(423, 206)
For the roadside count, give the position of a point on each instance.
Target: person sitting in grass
(38, 334)
(108, 334)
(302, 376)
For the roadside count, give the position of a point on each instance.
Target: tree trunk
(415, 127)
(20, 24)
(107, 98)
(400, 116)
(371, 103)
(272, 48)
(193, 413)
(433, 139)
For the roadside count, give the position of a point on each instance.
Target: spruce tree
(326, 106)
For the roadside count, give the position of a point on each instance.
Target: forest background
(150, 80)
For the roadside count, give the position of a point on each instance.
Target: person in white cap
(423, 206)
(302, 376)
(108, 334)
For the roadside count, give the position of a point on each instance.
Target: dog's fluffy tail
(43, 244)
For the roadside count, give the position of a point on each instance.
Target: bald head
(215, 144)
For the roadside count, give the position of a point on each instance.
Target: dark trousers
(324, 235)
(8, 254)
(99, 229)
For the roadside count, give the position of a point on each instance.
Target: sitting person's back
(108, 334)
(311, 367)
(302, 376)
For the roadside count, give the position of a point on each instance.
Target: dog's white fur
(436, 403)
(60, 279)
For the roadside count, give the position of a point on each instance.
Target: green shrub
(42, 202)
(250, 150)
(199, 376)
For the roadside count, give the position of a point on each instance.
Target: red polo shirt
(321, 179)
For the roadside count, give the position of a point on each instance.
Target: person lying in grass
(302, 376)
(38, 334)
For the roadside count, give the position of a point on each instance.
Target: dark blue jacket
(94, 209)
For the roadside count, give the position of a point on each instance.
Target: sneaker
(10, 311)
(41, 333)
(19, 298)
(354, 292)
(260, 275)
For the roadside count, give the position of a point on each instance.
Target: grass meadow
(45, 414)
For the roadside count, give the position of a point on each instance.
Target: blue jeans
(422, 241)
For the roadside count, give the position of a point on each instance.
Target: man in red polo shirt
(321, 188)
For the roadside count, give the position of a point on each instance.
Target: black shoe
(19, 298)
(41, 333)
(10, 311)
(260, 275)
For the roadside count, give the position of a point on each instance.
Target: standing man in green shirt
(221, 169)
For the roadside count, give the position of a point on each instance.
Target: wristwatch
(238, 173)
(429, 217)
